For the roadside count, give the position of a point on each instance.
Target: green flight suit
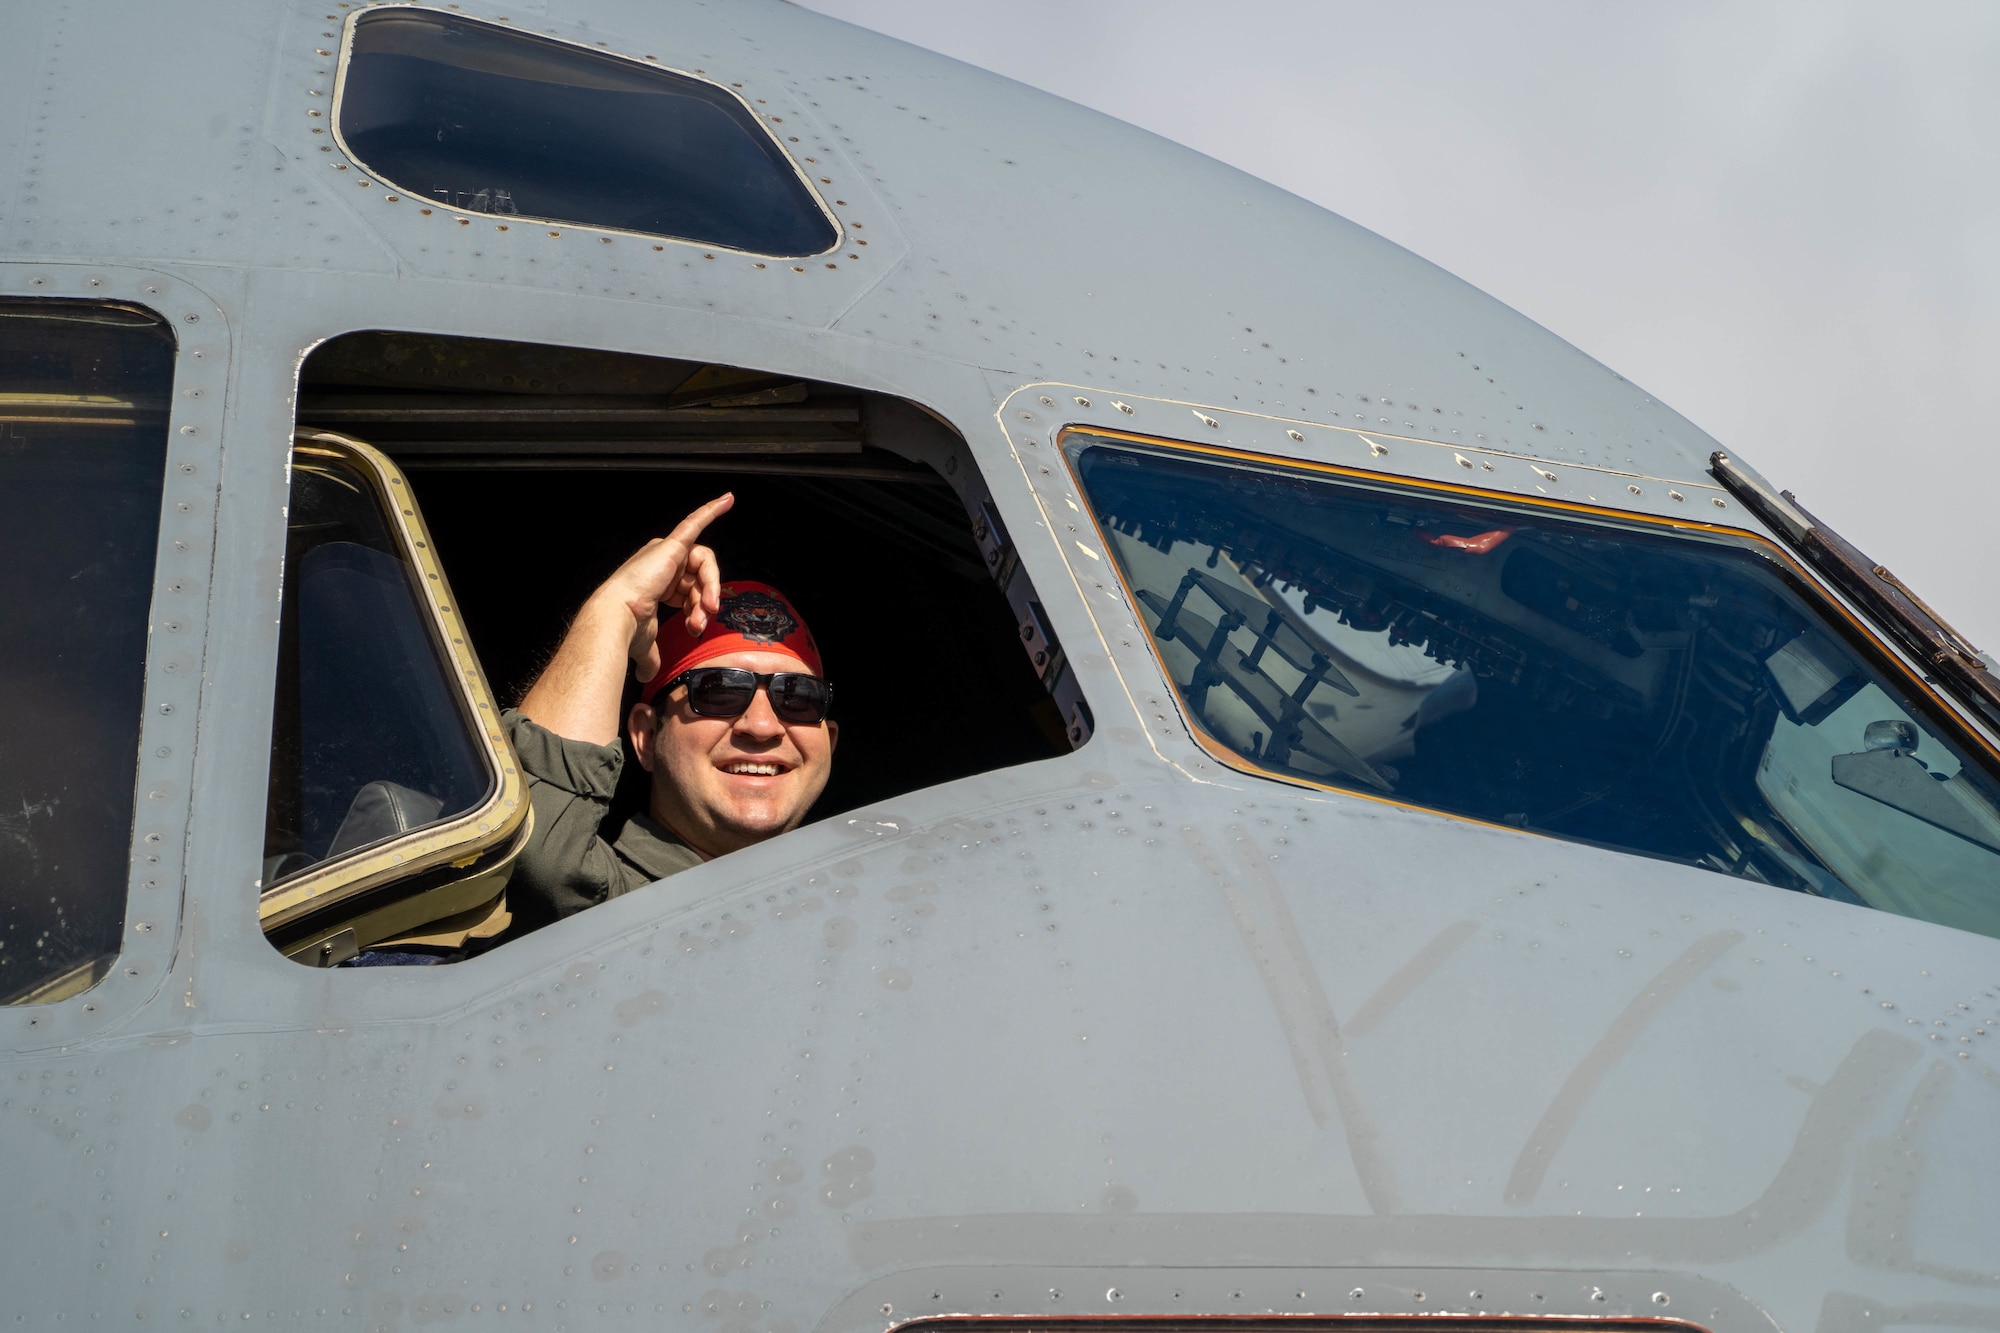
(568, 864)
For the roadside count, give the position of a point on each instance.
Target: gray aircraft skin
(1131, 1030)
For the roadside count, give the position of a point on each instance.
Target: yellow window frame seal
(443, 883)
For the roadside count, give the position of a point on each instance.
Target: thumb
(646, 664)
(644, 648)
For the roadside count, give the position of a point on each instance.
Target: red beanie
(755, 617)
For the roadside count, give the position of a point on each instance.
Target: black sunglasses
(727, 691)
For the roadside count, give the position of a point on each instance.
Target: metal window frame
(77, 1005)
(454, 872)
(1183, 1296)
(1967, 672)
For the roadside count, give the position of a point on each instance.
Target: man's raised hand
(578, 693)
(670, 571)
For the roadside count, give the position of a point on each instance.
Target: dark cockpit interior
(454, 502)
(540, 469)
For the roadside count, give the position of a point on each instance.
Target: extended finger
(688, 531)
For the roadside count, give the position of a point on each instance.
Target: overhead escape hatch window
(1672, 693)
(485, 119)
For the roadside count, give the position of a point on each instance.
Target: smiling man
(731, 724)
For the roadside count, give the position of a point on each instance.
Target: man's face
(723, 783)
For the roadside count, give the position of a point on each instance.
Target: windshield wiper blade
(1968, 673)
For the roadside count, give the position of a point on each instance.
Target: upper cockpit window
(1676, 695)
(488, 120)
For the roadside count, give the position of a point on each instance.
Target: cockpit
(453, 500)
(1675, 690)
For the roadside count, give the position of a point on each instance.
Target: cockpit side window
(1680, 695)
(394, 803)
(84, 391)
(485, 119)
(539, 471)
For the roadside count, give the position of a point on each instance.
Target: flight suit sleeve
(567, 864)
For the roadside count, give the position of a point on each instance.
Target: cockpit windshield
(1674, 694)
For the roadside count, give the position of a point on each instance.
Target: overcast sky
(1781, 219)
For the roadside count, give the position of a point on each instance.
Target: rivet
(1463, 461)
(1675, 496)
(1124, 407)
(1635, 490)
(1719, 502)
(1205, 420)
(1544, 473)
(1296, 436)
(1380, 451)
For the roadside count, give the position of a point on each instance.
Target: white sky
(1783, 219)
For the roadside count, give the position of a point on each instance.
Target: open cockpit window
(484, 119)
(395, 810)
(84, 390)
(1679, 694)
(534, 472)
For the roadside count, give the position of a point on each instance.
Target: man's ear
(832, 736)
(639, 727)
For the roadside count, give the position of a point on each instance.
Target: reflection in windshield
(1675, 696)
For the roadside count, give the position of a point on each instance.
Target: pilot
(731, 724)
